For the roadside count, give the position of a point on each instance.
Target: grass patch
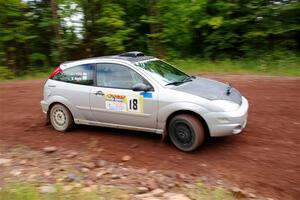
(30, 192)
(30, 74)
(36, 75)
(286, 67)
(289, 66)
(201, 191)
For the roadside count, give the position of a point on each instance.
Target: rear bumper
(45, 106)
(228, 123)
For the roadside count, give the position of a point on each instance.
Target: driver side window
(117, 76)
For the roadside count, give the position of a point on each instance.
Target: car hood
(210, 89)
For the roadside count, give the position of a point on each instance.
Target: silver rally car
(138, 92)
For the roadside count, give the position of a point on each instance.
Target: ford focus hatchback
(138, 92)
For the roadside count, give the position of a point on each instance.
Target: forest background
(198, 36)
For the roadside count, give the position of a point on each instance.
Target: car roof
(133, 57)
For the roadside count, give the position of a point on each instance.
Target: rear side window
(81, 74)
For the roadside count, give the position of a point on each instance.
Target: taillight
(58, 70)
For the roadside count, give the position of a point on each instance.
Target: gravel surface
(264, 159)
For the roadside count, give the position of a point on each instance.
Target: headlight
(227, 105)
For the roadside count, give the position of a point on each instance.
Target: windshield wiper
(187, 79)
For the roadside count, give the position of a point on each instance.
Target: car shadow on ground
(107, 132)
(146, 138)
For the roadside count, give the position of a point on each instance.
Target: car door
(114, 103)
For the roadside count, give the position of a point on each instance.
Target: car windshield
(163, 72)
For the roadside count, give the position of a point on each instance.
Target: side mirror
(141, 87)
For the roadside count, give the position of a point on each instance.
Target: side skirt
(110, 125)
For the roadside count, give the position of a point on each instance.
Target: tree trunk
(56, 28)
(158, 46)
(11, 60)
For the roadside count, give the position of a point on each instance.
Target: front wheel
(61, 118)
(186, 132)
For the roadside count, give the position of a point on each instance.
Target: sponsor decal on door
(124, 103)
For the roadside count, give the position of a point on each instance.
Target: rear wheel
(61, 118)
(186, 132)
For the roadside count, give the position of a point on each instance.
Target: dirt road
(266, 157)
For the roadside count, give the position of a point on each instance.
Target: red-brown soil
(265, 157)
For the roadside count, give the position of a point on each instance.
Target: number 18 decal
(135, 103)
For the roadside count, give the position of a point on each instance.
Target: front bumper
(45, 106)
(227, 123)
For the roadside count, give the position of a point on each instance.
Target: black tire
(186, 132)
(61, 118)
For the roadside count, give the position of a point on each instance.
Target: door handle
(51, 85)
(99, 93)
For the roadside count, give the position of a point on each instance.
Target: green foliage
(6, 73)
(14, 26)
(38, 59)
(264, 33)
(113, 28)
(238, 29)
(215, 22)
